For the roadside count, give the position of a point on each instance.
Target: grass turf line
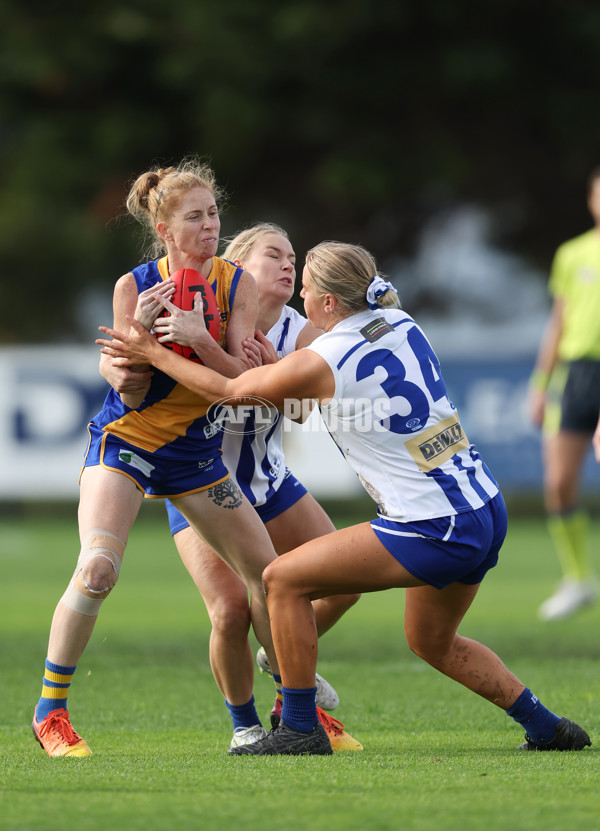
(143, 696)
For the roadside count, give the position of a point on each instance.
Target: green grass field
(435, 755)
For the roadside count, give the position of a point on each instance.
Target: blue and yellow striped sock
(277, 681)
(55, 689)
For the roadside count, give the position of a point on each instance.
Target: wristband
(539, 380)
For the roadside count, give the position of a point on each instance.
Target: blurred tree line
(345, 119)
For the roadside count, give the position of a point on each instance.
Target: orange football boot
(340, 740)
(57, 737)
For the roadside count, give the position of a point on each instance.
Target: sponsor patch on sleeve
(376, 329)
(434, 446)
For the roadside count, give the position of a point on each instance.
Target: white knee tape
(81, 603)
(97, 543)
(79, 596)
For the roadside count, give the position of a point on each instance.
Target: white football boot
(247, 735)
(570, 597)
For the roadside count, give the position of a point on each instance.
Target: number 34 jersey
(391, 418)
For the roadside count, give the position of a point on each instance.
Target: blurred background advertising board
(51, 392)
(49, 395)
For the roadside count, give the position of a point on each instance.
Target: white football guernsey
(252, 448)
(392, 419)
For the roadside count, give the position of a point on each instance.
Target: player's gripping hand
(149, 303)
(186, 328)
(138, 347)
(259, 350)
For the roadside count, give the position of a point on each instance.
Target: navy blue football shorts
(157, 476)
(460, 548)
(581, 397)
(287, 494)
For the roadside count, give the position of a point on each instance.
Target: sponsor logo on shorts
(203, 465)
(435, 446)
(130, 458)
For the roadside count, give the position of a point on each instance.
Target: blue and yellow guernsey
(171, 421)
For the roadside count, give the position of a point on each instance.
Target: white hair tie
(377, 287)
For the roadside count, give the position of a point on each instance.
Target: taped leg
(96, 573)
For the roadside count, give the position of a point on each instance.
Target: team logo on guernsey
(251, 415)
(275, 468)
(210, 430)
(376, 329)
(434, 446)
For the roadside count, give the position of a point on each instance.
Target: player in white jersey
(378, 359)
(253, 449)
(441, 518)
(253, 453)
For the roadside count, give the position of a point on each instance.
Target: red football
(187, 283)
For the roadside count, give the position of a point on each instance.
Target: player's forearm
(201, 380)
(214, 357)
(131, 386)
(547, 356)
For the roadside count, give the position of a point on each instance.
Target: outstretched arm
(300, 375)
